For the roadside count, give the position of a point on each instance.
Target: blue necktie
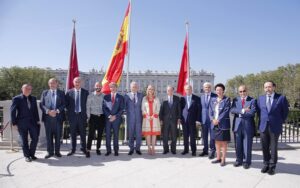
(269, 104)
(77, 102)
(53, 101)
(206, 100)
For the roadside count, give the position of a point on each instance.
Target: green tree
(12, 79)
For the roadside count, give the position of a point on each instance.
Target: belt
(77, 113)
(97, 115)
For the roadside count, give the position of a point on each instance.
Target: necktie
(53, 106)
(243, 102)
(189, 101)
(28, 103)
(134, 98)
(77, 102)
(170, 101)
(206, 100)
(113, 98)
(269, 104)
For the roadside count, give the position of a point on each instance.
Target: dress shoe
(27, 159)
(237, 164)
(246, 166)
(58, 155)
(216, 161)
(107, 153)
(98, 152)
(138, 152)
(87, 154)
(184, 152)
(71, 153)
(33, 158)
(165, 152)
(222, 164)
(116, 153)
(173, 152)
(211, 155)
(194, 154)
(271, 171)
(265, 169)
(48, 156)
(203, 154)
(130, 152)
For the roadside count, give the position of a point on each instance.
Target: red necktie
(243, 102)
(113, 98)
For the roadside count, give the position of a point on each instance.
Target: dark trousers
(189, 132)
(95, 123)
(243, 141)
(269, 142)
(53, 129)
(207, 130)
(114, 126)
(77, 125)
(24, 128)
(135, 131)
(169, 132)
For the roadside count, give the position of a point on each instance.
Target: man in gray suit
(170, 116)
(53, 105)
(76, 99)
(133, 103)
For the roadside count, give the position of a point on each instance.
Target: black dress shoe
(27, 159)
(246, 166)
(98, 152)
(58, 155)
(237, 164)
(33, 158)
(71, 153)
(130, 152)
(116, 153)
(216, 161)
(87, 154)
(203, 154)
(48, 156)
(265, 169)
(184, 152)
(211, 155)
(173, 152)
(165, 152)
(271, 171)
(107, 153)
(194, 154)
(138, 152)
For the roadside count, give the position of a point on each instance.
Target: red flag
(183, 77)
(73, 67)
(115, 68)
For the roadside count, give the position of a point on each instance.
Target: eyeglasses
(244, 91)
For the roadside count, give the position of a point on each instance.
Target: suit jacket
(70, 103)
(133, 110)
(224, 109)
(247, 118)
(170, 113)
(45, 104)
(113, 109)
(205, 108)
(193, 113)
(277, 115)
(20, 113)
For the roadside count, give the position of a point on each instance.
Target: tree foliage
(287, 79)
(12, 79)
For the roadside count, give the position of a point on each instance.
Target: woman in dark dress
(219, 109)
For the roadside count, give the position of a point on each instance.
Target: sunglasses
(244, 91)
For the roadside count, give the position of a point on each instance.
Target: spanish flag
(115, 68)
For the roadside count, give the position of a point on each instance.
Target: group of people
(147, 116)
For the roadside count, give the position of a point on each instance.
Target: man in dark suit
(205, 122)
(53, 107)
(273, 111)
(170, 115)
(113, 107)
(24, 114)
(191, 116)
(244, 109)
(76, 99)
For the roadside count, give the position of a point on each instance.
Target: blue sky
(227, 37)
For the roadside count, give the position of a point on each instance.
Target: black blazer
(116, 109)
(20, 113)
(170, 114)
(70, 103)
(193, 113)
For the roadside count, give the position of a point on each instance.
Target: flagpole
(68, 75)
(128, 50)
(188, 50)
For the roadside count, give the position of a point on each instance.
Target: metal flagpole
(188, 51)
(127, 74)
(68, 75)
